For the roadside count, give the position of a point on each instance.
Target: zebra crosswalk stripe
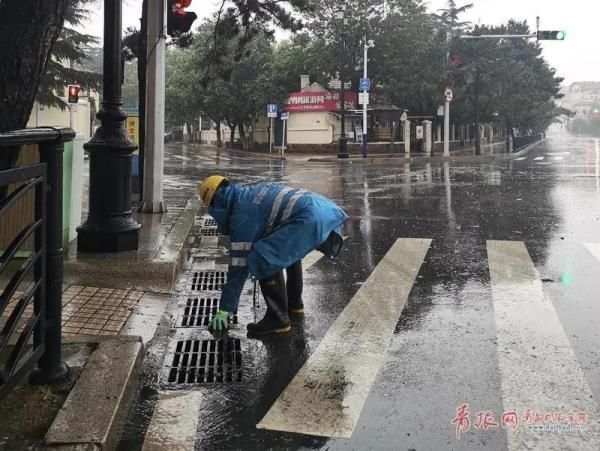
(326, 396)
(174, 422)
(538, 367)
(313, 258)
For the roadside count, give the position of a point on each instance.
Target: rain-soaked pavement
(498, 335)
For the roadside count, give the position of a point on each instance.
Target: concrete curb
(156, 274)
(95, 411)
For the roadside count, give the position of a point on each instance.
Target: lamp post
(343, 141)
(110, 226)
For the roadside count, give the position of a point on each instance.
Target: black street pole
(110, 226)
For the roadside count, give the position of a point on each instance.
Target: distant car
(169, 137)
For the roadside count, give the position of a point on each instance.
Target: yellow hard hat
(209, 187)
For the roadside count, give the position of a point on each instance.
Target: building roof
(314, 87)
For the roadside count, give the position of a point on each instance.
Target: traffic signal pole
(154, 153)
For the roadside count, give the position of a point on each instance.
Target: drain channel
(209, 222)
(208, 280)
(206, 361)
(200, 311)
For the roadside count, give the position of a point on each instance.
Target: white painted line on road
(520, 159)
(174, 422)
(539, 368)
(594, 249)
(538, 158)
(313, 258)
(326, 396)
(559, 158)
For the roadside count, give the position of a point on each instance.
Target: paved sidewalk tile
(89, 310)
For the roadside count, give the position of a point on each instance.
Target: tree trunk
(232, 128)
(219, 138)
(243, 136)
(28, 32)
(477, 118)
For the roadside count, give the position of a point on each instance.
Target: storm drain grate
(199, 312)
(209, 222)
(209, 231)
(208, 280)
(206, 361)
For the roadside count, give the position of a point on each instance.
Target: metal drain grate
(206, 361)
(208, 280)
(199, 311)
(209, 231)
(209, 222)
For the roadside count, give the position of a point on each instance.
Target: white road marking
(594, 249)
(539, 368)
(558, 158)
(538, 158)
(313, 258)
(520, 159)
(174, 422)
(326, 396)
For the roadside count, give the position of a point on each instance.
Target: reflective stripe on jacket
(271, 227)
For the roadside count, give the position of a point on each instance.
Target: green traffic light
(561, 35)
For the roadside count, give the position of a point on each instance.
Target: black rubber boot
(276, 320)
(294, 287)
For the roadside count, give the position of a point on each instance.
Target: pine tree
(70, 56)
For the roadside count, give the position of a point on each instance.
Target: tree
(32, 27)
(70, 55)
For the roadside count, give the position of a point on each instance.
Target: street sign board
(449, 94)
(420, 132)
(365, 84)
(335, 84)
(363, 98)
(272, 110)
(285, 115)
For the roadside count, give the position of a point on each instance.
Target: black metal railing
(30, 338)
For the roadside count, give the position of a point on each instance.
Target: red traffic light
(74, 91)
(179, 21)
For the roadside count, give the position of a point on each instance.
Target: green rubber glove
(220, 321)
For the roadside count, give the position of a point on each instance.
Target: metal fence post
(51, 368)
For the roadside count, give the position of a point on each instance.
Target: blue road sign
(285, 115)
(365, 84)
(272, 110)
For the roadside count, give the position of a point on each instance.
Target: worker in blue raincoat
(272, 228)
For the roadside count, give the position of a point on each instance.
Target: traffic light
(74, 93)
(179, 21)
(551, 35)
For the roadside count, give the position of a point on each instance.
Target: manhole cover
(199, 311)
(210, 222)
(208, 280)
(206, 361)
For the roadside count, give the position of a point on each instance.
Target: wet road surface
(463, 313)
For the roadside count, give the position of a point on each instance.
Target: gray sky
(577, 58)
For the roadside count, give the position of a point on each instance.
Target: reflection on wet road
(496, 346)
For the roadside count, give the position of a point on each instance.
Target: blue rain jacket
(271, 227)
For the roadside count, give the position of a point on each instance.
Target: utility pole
(155, 110)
